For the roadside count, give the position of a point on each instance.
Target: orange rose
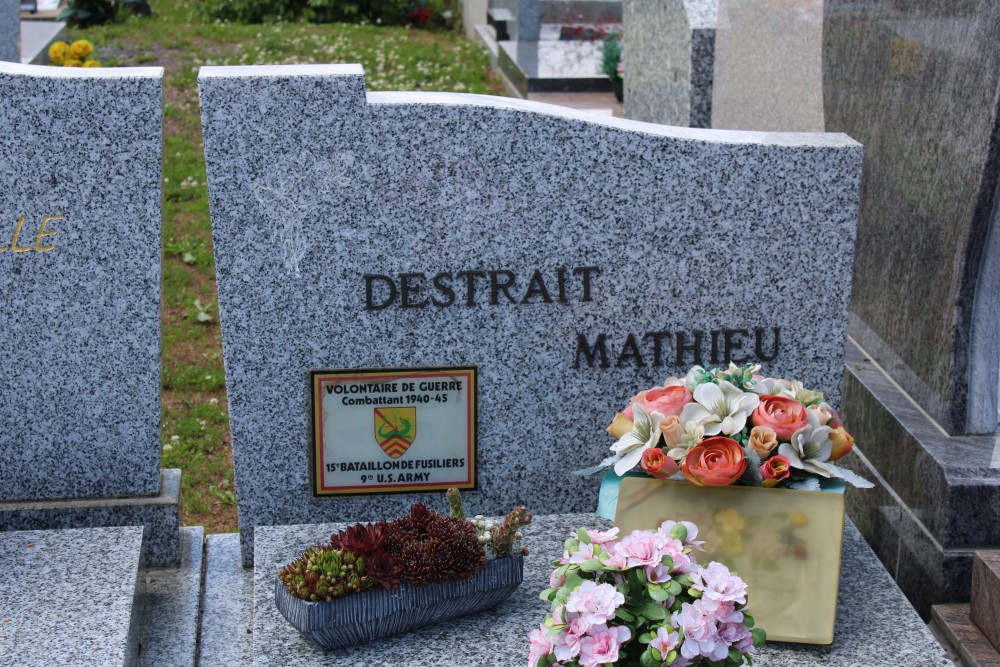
(656, 464)
(843, 443)
(619, 426)
(665, 400)
(775, 469)
(763, 439)
(715, 461)
(783, 414)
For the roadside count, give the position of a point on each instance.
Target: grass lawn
(194, 419)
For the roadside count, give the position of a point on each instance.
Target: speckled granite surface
(313, 185)
(227, 611)
(70, 597)
(875, 624)
(160, 514)
(10, 30)
(768, 66)
(669, 61)
(172, 604)
(80, 162)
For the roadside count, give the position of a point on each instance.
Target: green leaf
(624, 614)
(667, 561)
(592, 565)
(573, 580)
(735, 656)
(672, 656)
(571, 544)
(674, 588)
(647, 660)
(759, 636)
(748, 619)
(583, 536)
(683, 580)
(188, 258)
(657, 592)
(653, 611)
(547, 594)
(657, 656)
(646, 637)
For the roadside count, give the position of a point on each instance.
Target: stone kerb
(573, 259)
(10, 31)
(80, 169)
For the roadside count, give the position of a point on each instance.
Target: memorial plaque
(393, 430)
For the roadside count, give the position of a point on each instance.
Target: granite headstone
(575, 259)
(669, 61)
(525, 27)
(768, 66)
(10, 31)
(915, 82)
(80, 165)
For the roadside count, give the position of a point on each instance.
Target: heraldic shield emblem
(395, 429)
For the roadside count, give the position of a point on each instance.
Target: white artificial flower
(720, 407)
(645, 433)
(810, 448)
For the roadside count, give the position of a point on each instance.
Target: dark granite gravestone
(916, 82)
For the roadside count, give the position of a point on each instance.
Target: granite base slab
(71, 597)
(227, 605)
(985, 602)
(173, 598)
(160, 514)
(875, 623)
(964, 636)
(552, 66)
(937, 497)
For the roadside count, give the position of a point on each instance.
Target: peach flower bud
(619, 426)
(823, 411)
(657, 464)
(843, 443)
(763, 439)
(774, 470)
(671, 429)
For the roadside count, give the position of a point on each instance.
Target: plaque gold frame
(785, 544)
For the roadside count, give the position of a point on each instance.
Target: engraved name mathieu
(15, 242)
(563, 286)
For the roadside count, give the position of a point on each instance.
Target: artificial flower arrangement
(76, 54)
(422, 548)
(720, 427)
(643, 601)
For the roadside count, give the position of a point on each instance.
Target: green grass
(194, 419)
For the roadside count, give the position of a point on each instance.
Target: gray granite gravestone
(669, 60)
(10, 30)
(768, 69)
(916, 84)
(525, 26)
(80, 156)
(573, 259)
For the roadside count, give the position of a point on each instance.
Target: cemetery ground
(194, 424)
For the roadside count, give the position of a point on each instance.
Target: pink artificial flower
(701, 635)
(602, 647)
(641, 548)
(584, 553)
(665, 641)
(596, 603)
(657, 574)
(717, 585)
(611, 557)
(539, 647)
(667, 400)
(566, 645)
(692, 533)
(597, 537)
(738, 636)
(556, 580)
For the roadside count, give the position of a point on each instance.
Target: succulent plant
(325, 573)
(454, 497)
(506, 534)
(432, 547)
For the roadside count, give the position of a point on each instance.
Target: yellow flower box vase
(785, 544)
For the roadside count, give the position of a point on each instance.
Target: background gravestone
(80, 168)
(526, 26)
(314, 185)
(669, 56)
(10, 30)
(916, 84)
(768, 66)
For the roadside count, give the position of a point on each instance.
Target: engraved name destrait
(13, 241)
(562, 286)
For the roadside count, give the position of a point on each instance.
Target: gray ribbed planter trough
(361, 617)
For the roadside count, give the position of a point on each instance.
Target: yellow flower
(81, 48)
(58, 52)
(72, 62)
(92, 63)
